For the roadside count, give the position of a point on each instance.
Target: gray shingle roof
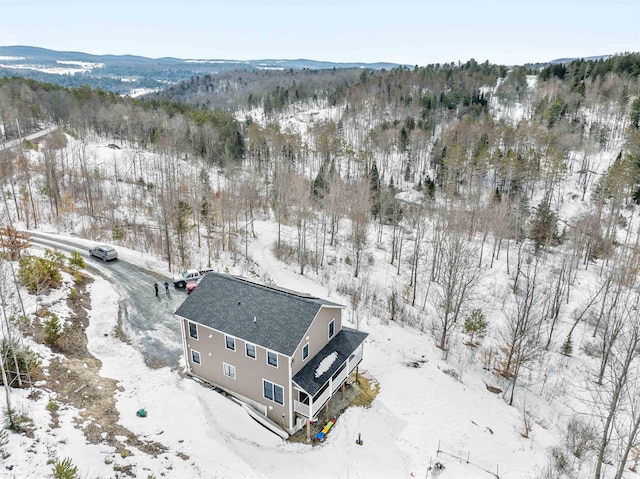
(345, 343)
(230, 304)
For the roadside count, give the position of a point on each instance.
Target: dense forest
(448, 169)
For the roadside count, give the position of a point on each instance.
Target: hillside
(479, 223)
(133, 75)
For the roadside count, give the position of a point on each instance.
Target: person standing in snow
(155, 285)
(166, 287)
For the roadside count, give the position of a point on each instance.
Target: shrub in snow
(559, 459)
(76, 262)
(14, 421)
(65, 469)
(52, 405)
(52, 328)
(56, 257)
(580, 437)
(38, 275)
(20, 358)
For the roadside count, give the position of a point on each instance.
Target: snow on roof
(325, 364)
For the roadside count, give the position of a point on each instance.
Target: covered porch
(319, 380)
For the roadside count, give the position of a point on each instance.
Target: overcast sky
(414, 32)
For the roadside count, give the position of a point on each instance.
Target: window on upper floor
(193, 330)
(230, 342)
(332, 328)
(272, 359)
(305, 351)
(250, 349)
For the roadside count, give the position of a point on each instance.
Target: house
(284, 353)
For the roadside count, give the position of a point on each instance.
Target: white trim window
(195, 357)
(193, 330)
(332, 328)
(305, 351)
(229, 370)
(273, 391)
(230, 342)
(272, 359)
(250, 350)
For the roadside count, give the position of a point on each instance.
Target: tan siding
(318, 334)
(249, 372)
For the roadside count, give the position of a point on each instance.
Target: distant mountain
(36, 54)
(133, 75)
(569, 60)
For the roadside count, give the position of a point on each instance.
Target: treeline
(579, 70)
(111, 82)
(248, 89)
(26, 105)
(275, 90)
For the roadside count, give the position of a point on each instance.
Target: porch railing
(301, 408)
(317, 403)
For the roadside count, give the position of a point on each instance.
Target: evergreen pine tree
(320, 186)
(430, 187)
(635, 113)
(404, 140)
(76, 262)
(475, 325)
(52, 329)
(408, 167)
(376, 194)
(554, 112)
(117, 233)
(543, 226)
(204, 209)
(374, 178)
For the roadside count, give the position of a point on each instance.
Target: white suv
(104, 252)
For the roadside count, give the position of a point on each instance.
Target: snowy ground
(418, 410)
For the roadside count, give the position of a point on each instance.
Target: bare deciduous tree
(621, 371)
(558, 292)
(418, 222)
(520, 341)
(359, 213)
(299, 202)
(459, 278)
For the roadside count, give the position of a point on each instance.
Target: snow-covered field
(66, 68)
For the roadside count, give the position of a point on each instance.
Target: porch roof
(344, 344)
